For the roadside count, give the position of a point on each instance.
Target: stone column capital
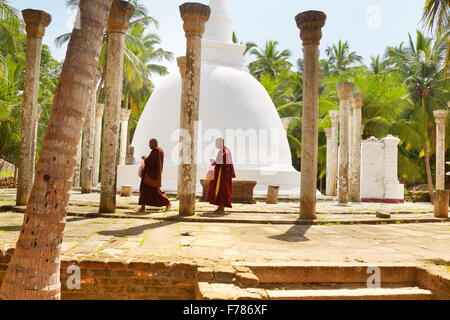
(36, 21)
(357, 100)
(334, 115)
(440, 116)
(181, 61)
(328, 133)
(310, 24)
(345, 90)
(194, 15)
(99, 110)
(125, 114)
(119, 16)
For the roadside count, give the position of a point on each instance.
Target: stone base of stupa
(288, 180)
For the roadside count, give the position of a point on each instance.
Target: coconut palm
(11, 31)
(11, 84)
(141, 52)
(340, 58)
(143, 49)
(422, 66)
(378, 65)
(437, 17)
(269, 60)
(34, 269)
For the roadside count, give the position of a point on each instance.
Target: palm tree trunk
(428, 169)
(34, 270)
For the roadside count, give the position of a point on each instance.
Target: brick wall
(121, 281)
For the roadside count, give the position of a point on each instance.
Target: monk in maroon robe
(221, 187)
(150, 189)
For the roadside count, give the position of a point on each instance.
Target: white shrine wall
(379, 171)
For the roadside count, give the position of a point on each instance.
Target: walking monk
(221, 187)
(150, 189)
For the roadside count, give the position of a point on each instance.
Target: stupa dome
(233, 105)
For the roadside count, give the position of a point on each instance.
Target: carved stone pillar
(88, 144)
(355, 168)
(345, 92)
(124, 118)
(181, 61)
(118, 22)
(195, 16)
(35, 23)
(333, 165)
(440, 116)
(97, 143)
(310, 24)
(330, 160)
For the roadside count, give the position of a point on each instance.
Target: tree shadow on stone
(80, 218)
(10, 228)
(135, 231)
(295, 234)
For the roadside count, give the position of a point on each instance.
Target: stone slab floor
(212, 241)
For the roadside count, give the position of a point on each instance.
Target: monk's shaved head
(153, 143)
(220, 143)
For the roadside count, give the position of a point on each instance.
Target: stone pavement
(154, 236)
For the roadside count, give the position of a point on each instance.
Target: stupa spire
(220, 25)
(219, 8)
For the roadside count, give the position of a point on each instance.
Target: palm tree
(269, 60)
(378, 65)
(142, 49)
(141, 52)
(34, 269)
(437, 17)
(421, 64)
(284, 93)
(11, 31)
(340, 58)
(11, 84)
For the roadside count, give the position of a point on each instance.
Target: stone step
(402, 293)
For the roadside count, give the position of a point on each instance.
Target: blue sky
(369, 25)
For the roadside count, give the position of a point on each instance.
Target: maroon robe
(152, 195)
(223, 178)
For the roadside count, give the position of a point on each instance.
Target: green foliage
(401, 90)
(340, 58)
(269, 60)
(141, 60)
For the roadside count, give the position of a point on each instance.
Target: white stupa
(233, 105)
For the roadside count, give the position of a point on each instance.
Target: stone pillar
(35, 23)
(181, 61)
(330, 160)
(195, 16)
(355, 160)
(77, 173)
(333, 166)
(310, 24)
(118, 22)
(440, 116)
(130, 160)
(97, 143)
(345, 91)
(441, 200)
(124, 118)
(88, 144)
(36, 133)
